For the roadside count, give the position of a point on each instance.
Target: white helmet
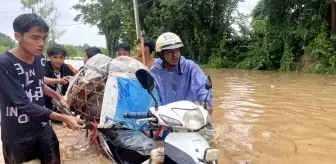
(168, 41)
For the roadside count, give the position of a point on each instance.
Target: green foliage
(73, 51)
(288, 59)
(276, 38)
(282, 30)
(104, 51)
(77, 51)
(6, 41)
(201, 24)
(3, 49)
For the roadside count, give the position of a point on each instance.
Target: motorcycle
(114, 142)
(184, 144)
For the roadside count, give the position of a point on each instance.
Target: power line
(63, 25)
(70, 24)
(144, 3)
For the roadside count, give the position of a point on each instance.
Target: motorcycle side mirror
(145, 79)
(147, 82)
(208, 84)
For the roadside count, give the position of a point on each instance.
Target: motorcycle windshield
(123, 93)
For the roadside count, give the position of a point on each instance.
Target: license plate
(211, 155)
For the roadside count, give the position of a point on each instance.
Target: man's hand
(64, 80)
(210, 111)
(74, 123)
(64, 103)
(71, 121)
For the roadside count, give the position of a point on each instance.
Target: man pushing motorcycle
(178, 78)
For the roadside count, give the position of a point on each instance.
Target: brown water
(260, 117)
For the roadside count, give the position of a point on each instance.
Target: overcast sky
(75, 33)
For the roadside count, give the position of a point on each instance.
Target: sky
(75, 32)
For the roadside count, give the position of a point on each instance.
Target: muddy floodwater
(259, 117)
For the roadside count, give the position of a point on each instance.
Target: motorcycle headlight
(193, 119)
(170, 121)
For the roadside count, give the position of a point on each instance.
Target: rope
(157, 133)
(94, 136)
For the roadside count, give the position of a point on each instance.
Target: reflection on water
(260, 117)
(274, 117)
(237, 101)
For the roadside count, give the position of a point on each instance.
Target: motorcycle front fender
(185, 147)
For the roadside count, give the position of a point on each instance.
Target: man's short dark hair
(24, 22)
(149, 42)
(125, 46)
(92, 51)
(56, 49)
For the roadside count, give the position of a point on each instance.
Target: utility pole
(136, 16)
(333, 17)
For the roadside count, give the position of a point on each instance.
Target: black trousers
(45, 147)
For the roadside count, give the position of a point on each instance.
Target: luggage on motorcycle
(106, 88)
(123, 93)
(133, 140)
(86, 90)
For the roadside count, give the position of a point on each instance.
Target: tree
(45, 9)
(204, 26)
(106, 15)
(5, 40)
(284, 30)
(3, 49)
(72, 51)
(84, 47)
(103, 50)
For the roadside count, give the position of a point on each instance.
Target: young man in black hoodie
(58, 70)
(26, 132)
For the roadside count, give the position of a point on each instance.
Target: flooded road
(272, 117)
(259, 117)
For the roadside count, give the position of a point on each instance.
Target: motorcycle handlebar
(136, 115)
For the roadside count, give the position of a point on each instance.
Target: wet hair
(125, 46)
(56, 49)
(92, 51)
(149, 42)
(24, 22)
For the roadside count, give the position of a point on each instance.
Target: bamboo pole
(333, 17)
(143, 48)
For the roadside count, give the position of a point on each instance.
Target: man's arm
(51, 93)
(51, 81)
(198, 82)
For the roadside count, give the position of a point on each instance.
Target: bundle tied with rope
(106, 89)
(86, 91)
